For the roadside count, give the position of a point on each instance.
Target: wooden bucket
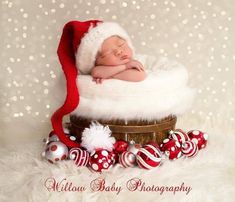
(139, 131)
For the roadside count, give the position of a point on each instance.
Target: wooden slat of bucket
(144, 132)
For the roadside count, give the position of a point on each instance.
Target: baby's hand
(134, 64)
(98, 80)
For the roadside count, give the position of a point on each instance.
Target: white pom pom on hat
(97, 137)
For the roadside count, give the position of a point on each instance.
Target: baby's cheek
(111, 61)
(128, 52)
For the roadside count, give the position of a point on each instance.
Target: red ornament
(115, 157)
(127, 159)
(101, 160)
(149, 157)
(171, 148)
(155, 144)
(120, 146)
(79, 156)
(199, 138)
(189, 149)
(178, 135)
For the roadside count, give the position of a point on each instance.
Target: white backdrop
(199, 34)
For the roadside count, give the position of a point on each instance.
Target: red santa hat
(77, 50)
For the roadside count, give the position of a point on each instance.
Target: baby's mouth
(124, 57)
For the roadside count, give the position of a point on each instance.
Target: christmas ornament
(96, 137)
(133, 148)
(53, 137)
(78, 47)
(115, 157)
(199, 138)
(101, 160)
(178, 135)
(73, 138)
(127, 159)
(79, 156)
(189, 148)
(171, 148)
(148, 157)
(56, 151)
(155, 144)
(120, 146)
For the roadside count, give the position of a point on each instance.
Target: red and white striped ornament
(127, 159)
(189, 149)
(79, 156)
(178, 135)
(148, 157)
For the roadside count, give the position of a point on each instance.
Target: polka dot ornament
(171, 148)
(56, 151)
(199, 137)
(101, 160)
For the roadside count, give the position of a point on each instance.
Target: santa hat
(78, 47)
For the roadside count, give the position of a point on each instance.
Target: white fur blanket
(210, 175)
(163, 92)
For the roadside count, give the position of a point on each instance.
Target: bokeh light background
(197, 33)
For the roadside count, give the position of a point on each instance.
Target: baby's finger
(142, 68)
(95, 80)
(100, 80)
(136, 67)
(139, 68)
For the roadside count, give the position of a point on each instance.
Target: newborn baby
(115, 61)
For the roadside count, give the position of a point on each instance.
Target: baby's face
(114, 51)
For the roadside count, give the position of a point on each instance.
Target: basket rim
(115, 128)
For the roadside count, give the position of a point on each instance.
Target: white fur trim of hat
(92, 42)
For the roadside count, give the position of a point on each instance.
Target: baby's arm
(134, 72)
(131, 71)
(105, 72)
(131, 75)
